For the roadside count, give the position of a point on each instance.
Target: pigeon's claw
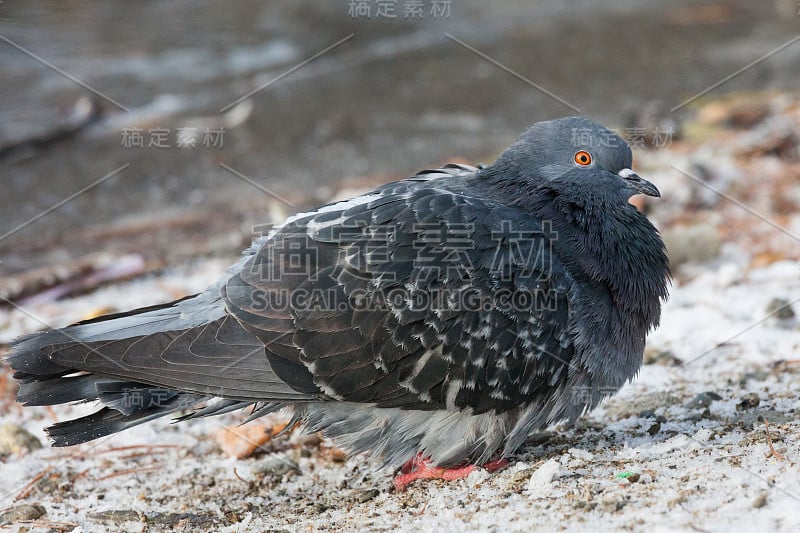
(419, 467)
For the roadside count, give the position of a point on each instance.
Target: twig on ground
(772, 452)
(28, 488)
(240, 478)
(137, 470)
(79, 454)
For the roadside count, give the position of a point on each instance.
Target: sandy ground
(705, 439)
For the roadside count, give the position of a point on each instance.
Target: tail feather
(26, 357)
(145, 364)
(55, 391)
(107, 421)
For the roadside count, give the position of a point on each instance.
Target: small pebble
(756, 375)
(275, 465)
(782, 309)
(661, 357)
(702, 435)
(781, 313)
(20, 513)
(540, 438)
(116, 516)
(15, 439)
(541, 482)
(519, 479)
(477, 477)
(363, 496)
(579, 453)
(760, 501)
(703, 400)
(750, 401)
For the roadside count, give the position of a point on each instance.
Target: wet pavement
(380, 98)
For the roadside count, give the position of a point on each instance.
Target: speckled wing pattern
(421, 295)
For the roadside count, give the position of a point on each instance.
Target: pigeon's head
(574, 153)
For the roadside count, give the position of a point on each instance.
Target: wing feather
(399, 299)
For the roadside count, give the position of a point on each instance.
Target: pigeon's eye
(583, 158)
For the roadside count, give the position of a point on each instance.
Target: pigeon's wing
(419, 295)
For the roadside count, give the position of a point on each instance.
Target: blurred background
(169, 130)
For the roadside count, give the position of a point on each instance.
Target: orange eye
(583, 157)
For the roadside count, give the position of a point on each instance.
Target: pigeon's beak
(637, 183)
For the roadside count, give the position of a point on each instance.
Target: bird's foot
(419, 467)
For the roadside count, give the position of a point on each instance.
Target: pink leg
(494, 466)
(418, 467)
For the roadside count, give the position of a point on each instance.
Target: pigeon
(433, 323)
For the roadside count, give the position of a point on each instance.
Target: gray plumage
(451, 313)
